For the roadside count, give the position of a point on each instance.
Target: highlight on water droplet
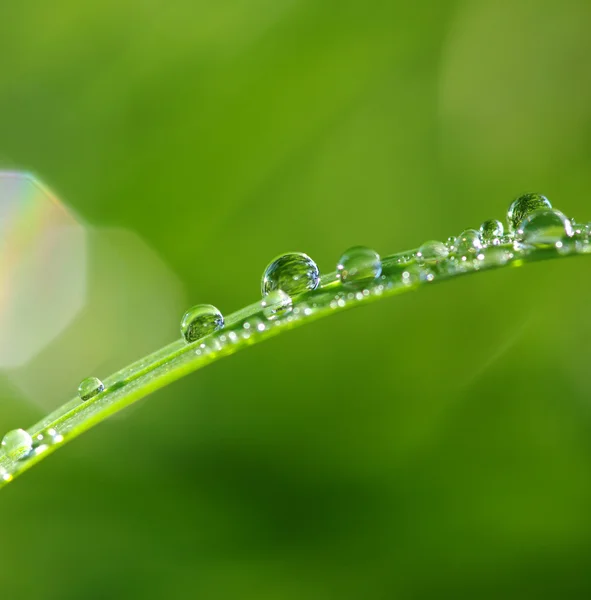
(294, 273)
(492, 231)
(17, 443)
(89, 388)
(545, 228)
(275, 304)
(359, 264)
(199, 321)
(432, 251)
(468, 242)
(451, 243)
(523, 206)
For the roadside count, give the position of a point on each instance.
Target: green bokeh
(433, 445)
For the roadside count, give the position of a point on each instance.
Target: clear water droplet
(275, 304)
(494, 256)
(359, 264)
(199, 321)
(89, 388)
(17, 443)
(523, 206)
(432, 251)
(492, 231)
(468, 242)
(48, 437)
(545, 228)
(293, 273)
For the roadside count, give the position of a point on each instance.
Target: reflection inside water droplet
(523, 206)
(492, 231)
(545, 228)
(89, 388)
(359, 264)
(17, 443)
(432, 251)
(293, 273)
(468, 242)
(199, 321)
(275, 304)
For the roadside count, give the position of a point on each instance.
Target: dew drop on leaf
(90, 387)
(359, 264)
(523, 206)
(17, 443)
(275, 304)
(492, 231)
(199, 321)
(48, 437)
(432, 251)
(293, 273)
(468, 242)
(545, 228)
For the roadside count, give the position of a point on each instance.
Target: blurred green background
(432, 445)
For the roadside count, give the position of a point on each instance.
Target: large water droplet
(275, 304)
(199, 321)
(432, 251)
(523, 206)
(90, 387)
(545, 228)
(468, 242)
(492, 231)
(17, 443)
(359, 264)
(293, 273)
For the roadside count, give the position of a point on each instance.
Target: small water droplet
(48, 437)
(523, 206)
(199, 321)
(293, 273)
(89, 388)
(359, 264)
(545, 228)
(275, 304)
(492, 231)
(432, 251)
(17, 443)
(468, 242)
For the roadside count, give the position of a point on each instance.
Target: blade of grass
(250, 326)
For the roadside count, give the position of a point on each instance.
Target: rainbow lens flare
(42, 268)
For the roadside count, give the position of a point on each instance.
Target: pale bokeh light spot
(42, 268)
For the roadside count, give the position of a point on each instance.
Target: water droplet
(432, 251)
(89, 388)
(48, 437)
(451, 243)
(17, 443)
(523, 206)
(359, 264)
(492, 231)
(545, 228)
(275, 304)
(293, 273)
(494, 256)
(468, 242)
(199, 321)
